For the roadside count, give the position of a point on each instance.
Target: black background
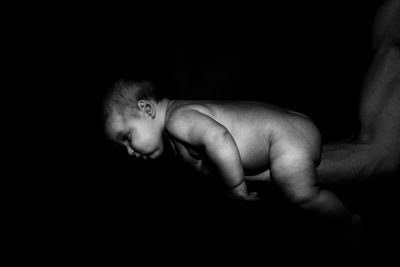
(310, 56)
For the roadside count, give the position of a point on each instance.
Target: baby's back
(251, 124)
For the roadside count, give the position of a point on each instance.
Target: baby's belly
(255, 161)
(254, 150)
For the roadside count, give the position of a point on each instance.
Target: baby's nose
(131, 152)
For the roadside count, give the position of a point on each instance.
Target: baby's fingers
(253, 196)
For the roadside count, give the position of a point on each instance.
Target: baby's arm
(201, 131)
(293, 162)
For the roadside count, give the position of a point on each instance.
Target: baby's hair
(124, 95)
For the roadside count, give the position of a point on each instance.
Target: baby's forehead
(119, 117)
(114, 119)
(117, 122)
(114, 124)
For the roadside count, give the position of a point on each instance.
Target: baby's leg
(376, 150)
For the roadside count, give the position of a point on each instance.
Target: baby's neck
(162, 108)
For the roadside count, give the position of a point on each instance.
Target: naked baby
(232, 140)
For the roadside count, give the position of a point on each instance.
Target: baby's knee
(303, 199)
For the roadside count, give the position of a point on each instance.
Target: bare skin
(251, 126)
(233, 140)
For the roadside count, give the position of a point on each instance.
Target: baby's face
(138, 134)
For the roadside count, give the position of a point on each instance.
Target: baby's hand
(251, 197)
(240, 193)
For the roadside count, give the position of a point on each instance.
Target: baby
(233, 140)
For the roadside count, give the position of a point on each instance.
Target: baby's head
(134, 117)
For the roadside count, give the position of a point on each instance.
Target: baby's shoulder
(184, 109)
(183, 113)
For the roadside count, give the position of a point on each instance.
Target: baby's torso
(251, 125)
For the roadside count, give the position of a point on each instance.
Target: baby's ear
(147, 108)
